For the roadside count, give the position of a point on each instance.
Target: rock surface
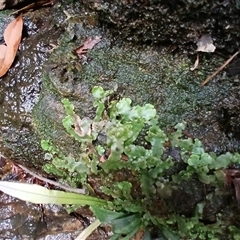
(179, 22)
(146, 73)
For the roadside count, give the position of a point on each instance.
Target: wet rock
(234, 68)
(20, 88)
(147, 74)
(229, 110)
(183, 200)
(22, 220)
(218, 204)
(179, 22)
(218, 129)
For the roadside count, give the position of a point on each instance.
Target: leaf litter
(89, 44)
(205, 44)
(12, 37)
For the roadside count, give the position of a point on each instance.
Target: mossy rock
(147, 75)
(21, 85)
(179, 22)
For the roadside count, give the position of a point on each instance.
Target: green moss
(146, 75)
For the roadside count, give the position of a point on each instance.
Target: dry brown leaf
(88, 44)
(12, 37)
(233, 176)
(13, 32)
(236, 183)
(3, 50)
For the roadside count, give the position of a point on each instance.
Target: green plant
(125, 153)
(126, 140)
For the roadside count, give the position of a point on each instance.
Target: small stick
(219, 69)
(69, 189)
(43, 3)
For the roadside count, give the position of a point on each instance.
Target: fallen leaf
(236, 183)
(12, 37)
(3, 50)
(2, 4)
(233, 176)
(13, 32)
(87, 45)
(205, 44)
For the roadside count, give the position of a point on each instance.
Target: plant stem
(69, 189)
(89, 230)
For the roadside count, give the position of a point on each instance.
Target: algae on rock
(146, 75)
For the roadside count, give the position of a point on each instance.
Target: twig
(69, 189)
(43, 3)
(219, 69)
